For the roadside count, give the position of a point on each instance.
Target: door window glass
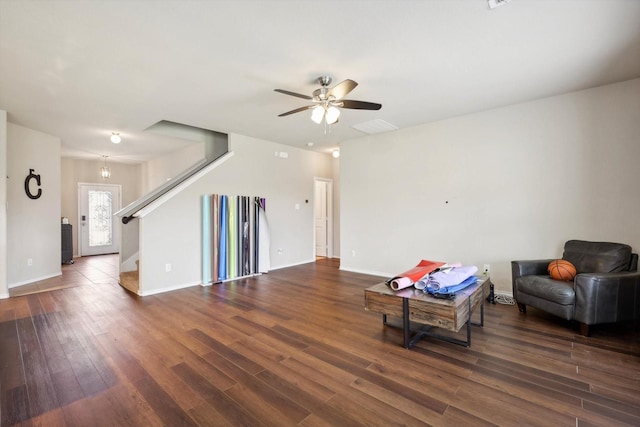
(100, 215)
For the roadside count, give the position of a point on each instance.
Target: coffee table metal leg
(405, 323)
(426, 333)
(408, 342)
(481, 314)
(468, 343)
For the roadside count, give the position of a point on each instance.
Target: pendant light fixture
(115, 137)
(105, 171)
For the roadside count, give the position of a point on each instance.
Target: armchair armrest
(607, 297)
(534, 267)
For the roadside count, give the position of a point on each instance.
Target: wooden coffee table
(413, 306)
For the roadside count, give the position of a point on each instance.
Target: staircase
(130, 279)
(216, 151)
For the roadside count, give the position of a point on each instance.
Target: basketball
(561, 269)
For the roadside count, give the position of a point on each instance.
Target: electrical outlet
(29, 262)
(353, 252)
(486, 270)
(167, 268)
(280, 251)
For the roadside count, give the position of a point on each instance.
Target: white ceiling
(82, 69)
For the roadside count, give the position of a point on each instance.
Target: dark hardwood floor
(296, 347)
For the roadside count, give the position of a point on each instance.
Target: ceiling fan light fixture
(317, 114)
(115, 137)
(332, 115)
(327, 101)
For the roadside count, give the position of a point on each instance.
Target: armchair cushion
(527, 268)
(553, 296)
(546, 288)
(597, 257)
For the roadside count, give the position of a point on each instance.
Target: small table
(413, 305)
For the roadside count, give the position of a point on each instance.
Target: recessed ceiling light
(309, 144)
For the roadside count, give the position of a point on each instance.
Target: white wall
(33, 225)
(171, 234)
(88, 171)
(158, 171)
(491, 187)
(4, 288)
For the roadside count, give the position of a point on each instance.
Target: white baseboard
(143, 293)
(36, 279)
(369, 272)
(293, 265)
(204, 285)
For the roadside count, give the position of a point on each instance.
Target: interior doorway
(98, 229)
(323, 207)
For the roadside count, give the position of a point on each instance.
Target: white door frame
(329, 183)
(116, 223)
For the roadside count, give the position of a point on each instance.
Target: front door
(99, 232)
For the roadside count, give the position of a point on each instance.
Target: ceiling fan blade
(299, 95)
(360, 105)
(342, 89)
(297, 110)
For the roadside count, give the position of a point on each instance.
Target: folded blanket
(443, 279)
(451, 290)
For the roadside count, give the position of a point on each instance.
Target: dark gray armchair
(606, 288)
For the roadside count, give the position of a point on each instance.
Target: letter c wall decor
(27, 188)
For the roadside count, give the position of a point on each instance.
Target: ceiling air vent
(375, 126)
(495, 3)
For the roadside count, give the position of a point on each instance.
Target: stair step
(130, 281)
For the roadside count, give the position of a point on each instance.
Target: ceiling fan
(327, 101)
